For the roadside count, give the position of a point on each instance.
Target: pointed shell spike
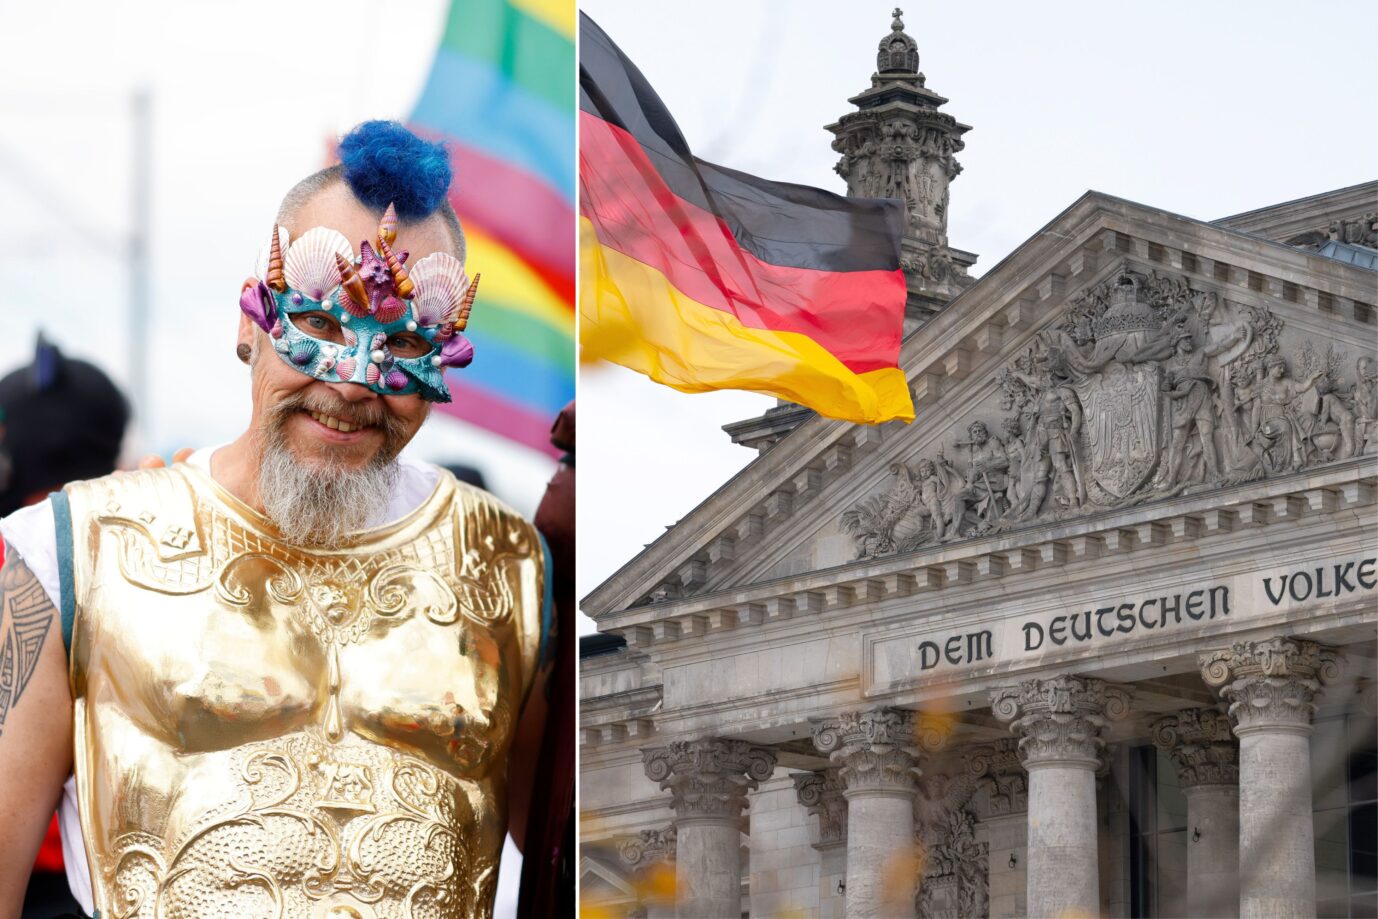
(275, 279)
(387, 227)
(467, 304)
(356, 299)
(401, 281)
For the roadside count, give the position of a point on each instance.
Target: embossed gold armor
(265, 731)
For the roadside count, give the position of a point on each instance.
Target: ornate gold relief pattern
(491, 548)
(315, 827)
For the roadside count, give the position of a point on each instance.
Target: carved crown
(1128, 311)
(898, 52)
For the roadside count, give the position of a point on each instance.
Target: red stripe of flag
(855, 315)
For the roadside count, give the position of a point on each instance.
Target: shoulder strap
(67, 603)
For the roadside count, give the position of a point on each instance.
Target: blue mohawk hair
(385, 163)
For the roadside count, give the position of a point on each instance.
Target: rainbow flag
(501, 95)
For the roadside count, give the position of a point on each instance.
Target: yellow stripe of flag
(630, 314)
(510, 281)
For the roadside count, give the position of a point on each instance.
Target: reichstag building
(1095, 638)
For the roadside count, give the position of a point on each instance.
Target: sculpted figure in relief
(1188, 384)
(940, 504)
(1281, 421)
(1366, 405)
(1050, 458)
(1146, 388)
(987, 480)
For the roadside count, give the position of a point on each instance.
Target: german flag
(705, 278)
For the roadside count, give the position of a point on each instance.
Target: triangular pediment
(600, 882)
(1068, 353)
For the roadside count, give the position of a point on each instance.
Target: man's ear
(247, 333)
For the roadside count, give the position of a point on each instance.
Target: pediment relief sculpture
(1146, 388)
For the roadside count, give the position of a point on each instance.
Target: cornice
(1023, 290)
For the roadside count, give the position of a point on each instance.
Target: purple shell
(457, 351)
(258, 304)
(395, 379)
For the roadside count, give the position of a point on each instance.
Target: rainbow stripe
(501, 95)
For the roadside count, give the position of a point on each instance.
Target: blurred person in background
(293, 669)
(548, 865)
(61, 420)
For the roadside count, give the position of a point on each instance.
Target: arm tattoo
(26, 614)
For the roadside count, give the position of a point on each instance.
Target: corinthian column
(877, 755)
(709, 780)
(1271, 687)
(1058, 722)
(1204, 750)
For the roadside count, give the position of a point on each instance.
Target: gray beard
(321, 505)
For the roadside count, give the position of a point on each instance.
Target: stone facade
(1063, 644)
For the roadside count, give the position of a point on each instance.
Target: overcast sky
(1203, 109)
(246, 98)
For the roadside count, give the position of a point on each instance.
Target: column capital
(1059, 720)
(1270, 685)
(1202, 746)
(822, 794)
(708, 777)
(878, 749)
(998, 770)
(648, 847)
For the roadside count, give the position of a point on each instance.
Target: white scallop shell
(440, 285)
(261, 266)
(309, 265)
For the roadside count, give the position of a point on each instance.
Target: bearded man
(291, 669)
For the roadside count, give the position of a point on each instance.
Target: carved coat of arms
(1122, 430)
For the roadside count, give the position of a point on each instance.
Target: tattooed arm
(35, 724)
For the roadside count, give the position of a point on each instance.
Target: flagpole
(140, 215)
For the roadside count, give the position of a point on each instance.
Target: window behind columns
(1344, 775)
(1157, 836)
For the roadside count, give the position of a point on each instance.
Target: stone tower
(898, 145)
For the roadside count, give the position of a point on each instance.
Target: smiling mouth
(336, 424)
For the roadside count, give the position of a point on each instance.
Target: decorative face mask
(368, 320)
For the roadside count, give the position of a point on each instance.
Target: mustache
(372, 414)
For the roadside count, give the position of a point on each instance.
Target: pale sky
(1201, 108)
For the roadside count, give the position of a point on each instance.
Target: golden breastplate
(263, 731)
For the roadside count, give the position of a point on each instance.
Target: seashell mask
(369, 319)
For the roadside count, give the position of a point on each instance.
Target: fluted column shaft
(709, 779)
(877, 753)
(1203, 748)
(1058, 722)
(1271, 687)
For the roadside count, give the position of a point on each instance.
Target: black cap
(61, 420)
